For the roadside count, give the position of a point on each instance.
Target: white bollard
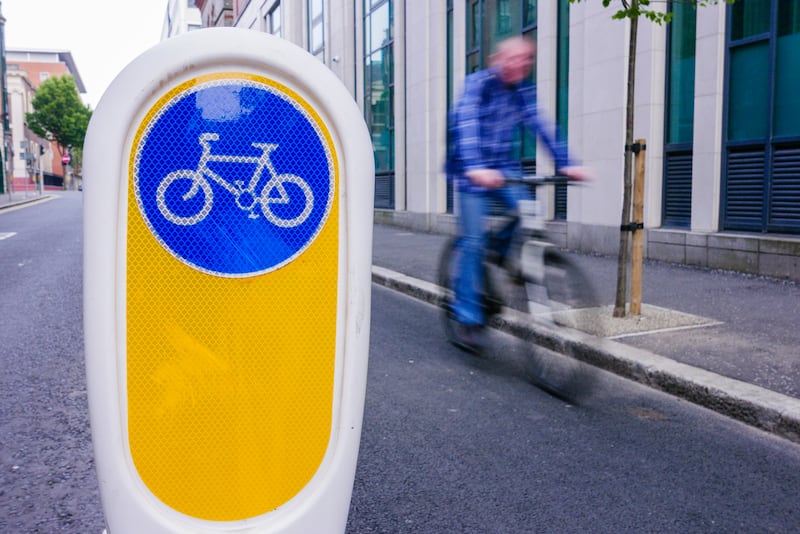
(228, 234)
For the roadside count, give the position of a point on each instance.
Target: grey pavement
(15, 199)
(727, 341)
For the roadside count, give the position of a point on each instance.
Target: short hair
(509, 43)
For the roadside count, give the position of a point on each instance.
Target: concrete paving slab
(599, 321)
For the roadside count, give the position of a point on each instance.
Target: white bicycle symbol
(246, 197)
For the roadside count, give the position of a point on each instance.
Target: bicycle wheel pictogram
(234, 174)
(194, 203)
(279, 202)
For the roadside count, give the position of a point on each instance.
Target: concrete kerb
(758, 407)
(16, 203)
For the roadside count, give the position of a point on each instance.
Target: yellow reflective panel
(232, 273)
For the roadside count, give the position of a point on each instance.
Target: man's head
(514, 59)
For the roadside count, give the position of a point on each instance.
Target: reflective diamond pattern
(230, 191)
(230, 317)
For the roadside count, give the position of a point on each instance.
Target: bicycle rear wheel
(563, 298)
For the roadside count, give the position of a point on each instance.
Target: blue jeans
(475, 208)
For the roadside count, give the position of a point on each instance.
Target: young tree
(59, 112)
(633, 9)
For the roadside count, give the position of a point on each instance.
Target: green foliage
(59, 112)
(642, 8)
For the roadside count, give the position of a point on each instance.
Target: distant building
(25, 71)
(216, 13)
(182, 16)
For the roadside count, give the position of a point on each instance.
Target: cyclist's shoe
(470, 338)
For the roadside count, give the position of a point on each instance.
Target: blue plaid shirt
(483, 124)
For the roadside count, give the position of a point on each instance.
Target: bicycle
(536, 282)
(247, 199)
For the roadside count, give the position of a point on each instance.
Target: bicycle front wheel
(562, 298)
(563, 295)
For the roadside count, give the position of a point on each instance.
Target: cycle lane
(723, 340)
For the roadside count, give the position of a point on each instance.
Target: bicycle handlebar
(541, 180)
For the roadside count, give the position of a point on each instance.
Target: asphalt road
(456, 444)
(450, 443)
(47, 478)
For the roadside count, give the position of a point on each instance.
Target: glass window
(473, 37)
(562, 96)
(562, 67)
(315, 8)
(787, 69)
(501, 19)
(788, 17)
(450, 93)
(379, 83)
(379, 27)
(473, 25)
(316, 34)
(680, 104)
(274, 19)
(749, 92)
(749, 18)
(380, 100)
(491, 21)
(529, 15)
(316, 37)
(450, 59)
(473, 63)
(528, 148)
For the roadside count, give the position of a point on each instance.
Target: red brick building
(25, 71)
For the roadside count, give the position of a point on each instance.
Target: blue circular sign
(234, 175)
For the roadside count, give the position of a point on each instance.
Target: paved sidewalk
(727, 341)
(20, 198)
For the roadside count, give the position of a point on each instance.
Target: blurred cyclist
(482, 154)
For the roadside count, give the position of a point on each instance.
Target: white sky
(102, 35)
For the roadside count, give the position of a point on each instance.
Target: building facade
(182, 16)
(30, 155)
(717, 100)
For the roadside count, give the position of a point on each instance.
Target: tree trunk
(624, 235)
